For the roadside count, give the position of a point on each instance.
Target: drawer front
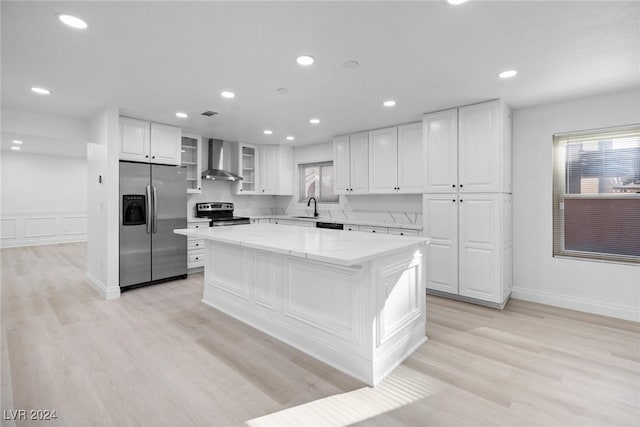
(403, 232)
(198, 225)
(351, 227)
(196, 257)
(378, 230)
(195, 244)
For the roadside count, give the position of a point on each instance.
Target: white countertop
(331, 246)
(348, 221)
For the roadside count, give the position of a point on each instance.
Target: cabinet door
(269, 169)
(440, 151)
(341, 164)
(134, 140)
(192, 160)
(165, 144)
(480, 246)
(479, 142)
(359, 163)
(383, 160)
(440, 226)
(410, 158)
(249, 168)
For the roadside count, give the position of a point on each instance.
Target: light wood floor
(158, 356)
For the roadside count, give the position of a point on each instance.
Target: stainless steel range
(220, 214)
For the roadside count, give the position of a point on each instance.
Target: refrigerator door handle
(155, 210)
(148, 208)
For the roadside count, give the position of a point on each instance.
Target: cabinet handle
(346, 189)
(146, 157)
(402, 234)
(461, 200)
(197, 244)
(453, 200)
(373, 231)
(241, 189)
(453, 185)
(461, 185)
(197, 258)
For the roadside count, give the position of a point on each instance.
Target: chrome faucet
(315, 205)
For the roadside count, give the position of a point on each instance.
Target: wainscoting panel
(42, 228)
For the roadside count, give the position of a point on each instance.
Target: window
(316, 180)
(596, 194)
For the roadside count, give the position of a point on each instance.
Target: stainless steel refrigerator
(153, 202)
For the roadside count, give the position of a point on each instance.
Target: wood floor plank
(159, 357)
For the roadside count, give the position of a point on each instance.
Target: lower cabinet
(470, 249)
(195, 247)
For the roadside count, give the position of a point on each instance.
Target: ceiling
(153, 59)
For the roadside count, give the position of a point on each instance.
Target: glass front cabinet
(192, 159)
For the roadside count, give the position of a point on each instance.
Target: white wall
(103, 203)
(603, 288)
(43, 199)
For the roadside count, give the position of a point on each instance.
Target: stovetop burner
(220, 213)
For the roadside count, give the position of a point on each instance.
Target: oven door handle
(148, 208)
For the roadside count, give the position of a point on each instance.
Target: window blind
(596, 194)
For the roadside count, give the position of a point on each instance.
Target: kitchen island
(355, 301)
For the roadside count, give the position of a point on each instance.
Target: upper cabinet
(276, 170)
(410, 166)
(395, 159)
(351, 163)
(248, 169)
(134, 140)
(166, 143)
(265, 169)
(192, 161)
(468, 149)
(142, 141)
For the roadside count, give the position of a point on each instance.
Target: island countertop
(344, 248)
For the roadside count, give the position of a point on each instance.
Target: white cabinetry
(383, 160)
(351, 163)
(192, 161)
(395, 159)
(467, 208)
(468, 149)
(142, 141)
(195, 245)
(165, 144)
(248, 169)
(134, 140)
(470, 245)
(276, 170)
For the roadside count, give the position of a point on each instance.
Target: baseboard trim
(39, 242)
(580, 304)
(489, 304)
(106, 293)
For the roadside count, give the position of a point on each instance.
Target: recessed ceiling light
(15, 148)
(314, 121)
(268, 132)
(508, 74)
(41, 90)
(282, 91)
(182, 115)
(72, 21)
(351, 64)
(227, 94)
(456, 2)
(15, 141)
(290, 138)
(305, 60)
(389, 103)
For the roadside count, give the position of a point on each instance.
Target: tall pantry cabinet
(467, 202)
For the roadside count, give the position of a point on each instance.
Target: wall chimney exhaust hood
(216, 170)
